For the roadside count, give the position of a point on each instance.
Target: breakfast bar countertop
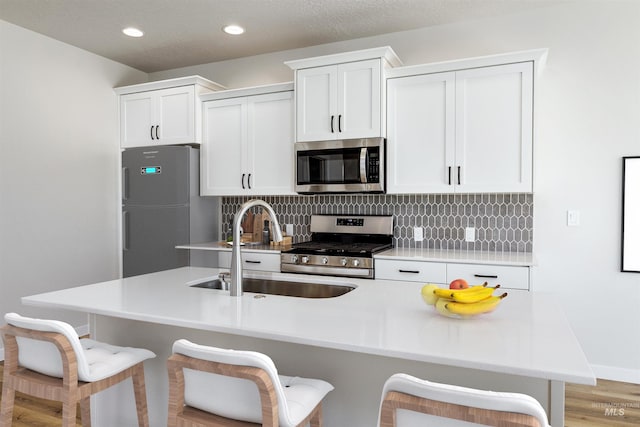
(527, 335)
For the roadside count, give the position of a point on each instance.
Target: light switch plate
(288, 228)
(470, 234)
(417, 234)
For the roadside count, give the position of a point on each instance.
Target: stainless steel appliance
(162, 208)
(340, 166)
(340, 245)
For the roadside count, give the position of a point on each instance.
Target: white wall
(59, 148)
(588, 118)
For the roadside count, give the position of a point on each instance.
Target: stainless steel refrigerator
(162, 208)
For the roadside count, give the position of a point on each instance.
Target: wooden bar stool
(411, 402)
(46, 359)
(209, 386)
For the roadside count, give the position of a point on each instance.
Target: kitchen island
(355, 341)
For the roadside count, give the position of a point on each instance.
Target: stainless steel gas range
(340, 245)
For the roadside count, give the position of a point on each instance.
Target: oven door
(345, 166)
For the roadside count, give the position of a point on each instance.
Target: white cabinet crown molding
(385, 52)
(248, 91)
(165, 84)
(538, 56)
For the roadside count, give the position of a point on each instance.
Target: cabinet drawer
(252, 261)
(411, 271)
(507, 276)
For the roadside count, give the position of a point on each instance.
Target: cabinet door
(359, 99)
(137, 120)
(420, 133)
(316, 104)
(494, 134)
(176, 115)
(222, 150)
(270, 144)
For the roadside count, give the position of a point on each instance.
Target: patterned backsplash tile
(502, 222)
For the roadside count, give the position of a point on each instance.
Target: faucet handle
(225, 277)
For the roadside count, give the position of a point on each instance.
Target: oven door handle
(363, 165)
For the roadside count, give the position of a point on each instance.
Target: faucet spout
(236, 258)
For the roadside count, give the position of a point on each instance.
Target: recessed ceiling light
(233, 29)
(133, 32)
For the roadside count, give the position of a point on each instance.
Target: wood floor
(610, 404)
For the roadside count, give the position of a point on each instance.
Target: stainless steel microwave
(340, 166)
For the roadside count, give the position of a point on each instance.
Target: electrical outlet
(417, 234)
(470, 234)
(288, 228)
(573, 218)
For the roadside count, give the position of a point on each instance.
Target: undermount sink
(281, 287)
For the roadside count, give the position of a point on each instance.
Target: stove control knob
(325, 260)
(356, 262)
(294, 259)
(343, 262)
(305, 259)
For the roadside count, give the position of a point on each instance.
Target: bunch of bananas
(462, 303)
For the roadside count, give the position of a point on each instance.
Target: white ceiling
(180, 33)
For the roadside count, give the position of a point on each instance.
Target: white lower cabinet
(508, 277)
(253, 261)
(411, 271)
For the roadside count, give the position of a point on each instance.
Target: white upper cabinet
(156, 114)
(465, 131)
(342, 96)
(247, 146)
(421, 133)
(494, 129)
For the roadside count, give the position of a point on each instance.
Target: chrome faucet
(236, 259)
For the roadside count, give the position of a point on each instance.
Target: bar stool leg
(85, 412)
(69, 412)
(141, 395)
(316, 419)
(6, 411)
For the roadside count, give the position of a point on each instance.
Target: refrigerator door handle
(125, 183)
(125, 230)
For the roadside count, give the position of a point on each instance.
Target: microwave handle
(363, 164)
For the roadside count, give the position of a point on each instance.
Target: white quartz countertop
(224, 246)
(527, 335)
(458, 256)
(524, 259)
